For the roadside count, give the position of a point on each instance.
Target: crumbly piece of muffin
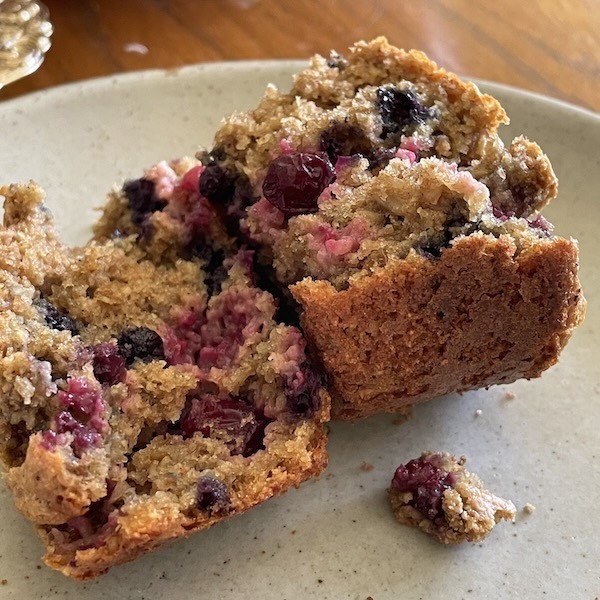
(439, 496)
(379, 191)
(143, 397)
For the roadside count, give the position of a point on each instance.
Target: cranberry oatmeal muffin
(439, 496)
(144, 396)
(378, 192)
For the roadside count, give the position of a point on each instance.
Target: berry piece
(380, 157)
(426, 482)
(302, 393)
(344, 139)
(217, 184)
(109, 365)
(294, 182)
(141, 343)
(142, 199)
(190, 182)
(212, 495)
(221, 417)
(216, 273)
(55, 319)
(83, 416)
(398, 109)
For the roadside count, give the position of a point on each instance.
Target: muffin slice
(379, 193)
(143, 397)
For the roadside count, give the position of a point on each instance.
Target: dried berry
(427, 483)
(142, 199)
(140, 343)
(109, 365)
(217, 184)
(344, 139)
(294, 182)
(214, 416)
(56, 319)
(212, 495)
(303, 393)
(399, 109)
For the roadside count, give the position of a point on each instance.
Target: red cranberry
(190, 182)
(294, 182)
(211, 414)
(109, 365)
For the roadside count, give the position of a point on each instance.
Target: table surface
(548, 46)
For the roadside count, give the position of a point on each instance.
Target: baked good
(143, 397)
(439, 496)
(379, 192)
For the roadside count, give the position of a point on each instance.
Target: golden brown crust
(420, 328)
(148, 525)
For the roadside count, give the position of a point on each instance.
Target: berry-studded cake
(439, 496)
(144, 397)
(378, 191)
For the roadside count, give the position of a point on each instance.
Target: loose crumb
(528, 508)
(135, 48)
(510, 395)
(4, 581)
(367, 466)
(478, 412)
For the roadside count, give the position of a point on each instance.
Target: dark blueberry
(217, 184)
(337, 61)
(217, 154)
(142, 199)
(344, 139)
(216, 273)
(303, 394)
(294, 182)
(427, 484)
(55, 319)
(398, 109)
(380, 157)
(212, 495)
(109, 365)
(141, 343)
(430, 252)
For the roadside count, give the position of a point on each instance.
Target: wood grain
(548, 46)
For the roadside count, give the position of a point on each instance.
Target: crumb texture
(378, 190)
(436, 494)
(145, 396)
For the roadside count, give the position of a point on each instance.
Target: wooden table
(548, 46)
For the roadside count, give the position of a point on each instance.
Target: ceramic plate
(335, 537)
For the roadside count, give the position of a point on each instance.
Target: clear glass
(25, 32)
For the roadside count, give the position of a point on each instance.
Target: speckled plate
(336, 538)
